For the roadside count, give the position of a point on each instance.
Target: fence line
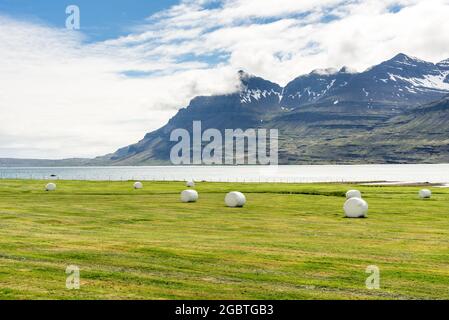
(257, 179)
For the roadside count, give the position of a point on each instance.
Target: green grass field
(288, 242)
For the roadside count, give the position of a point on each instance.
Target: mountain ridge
(319, 109)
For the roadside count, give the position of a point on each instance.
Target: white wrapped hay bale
(353, 194)
(138, 185)
(355, 208)
(425, 194)
(189, 196)
(235, 199)
(190, 184)
(50, 187)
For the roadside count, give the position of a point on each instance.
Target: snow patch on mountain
(392, 77)
(428, 81)
(249, 96)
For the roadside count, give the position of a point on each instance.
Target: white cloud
(61, 97)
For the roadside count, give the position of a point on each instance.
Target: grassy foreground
(289, 242)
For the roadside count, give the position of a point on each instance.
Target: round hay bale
(235, 199)
(138, 185)
(425, 194)
(355, 208)
(189, 196)
(190, 184)
(50, 187)
(353, 194)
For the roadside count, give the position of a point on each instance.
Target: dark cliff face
(315, 113)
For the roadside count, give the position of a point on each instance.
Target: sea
(389, 173)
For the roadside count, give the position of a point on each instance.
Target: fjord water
(433, 173)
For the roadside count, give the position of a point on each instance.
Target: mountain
(322, 117)
(314, 87)
(259, 94)
(401, 82)
(393, 112)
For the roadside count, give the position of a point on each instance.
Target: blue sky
(85, 93)
(101, 19)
